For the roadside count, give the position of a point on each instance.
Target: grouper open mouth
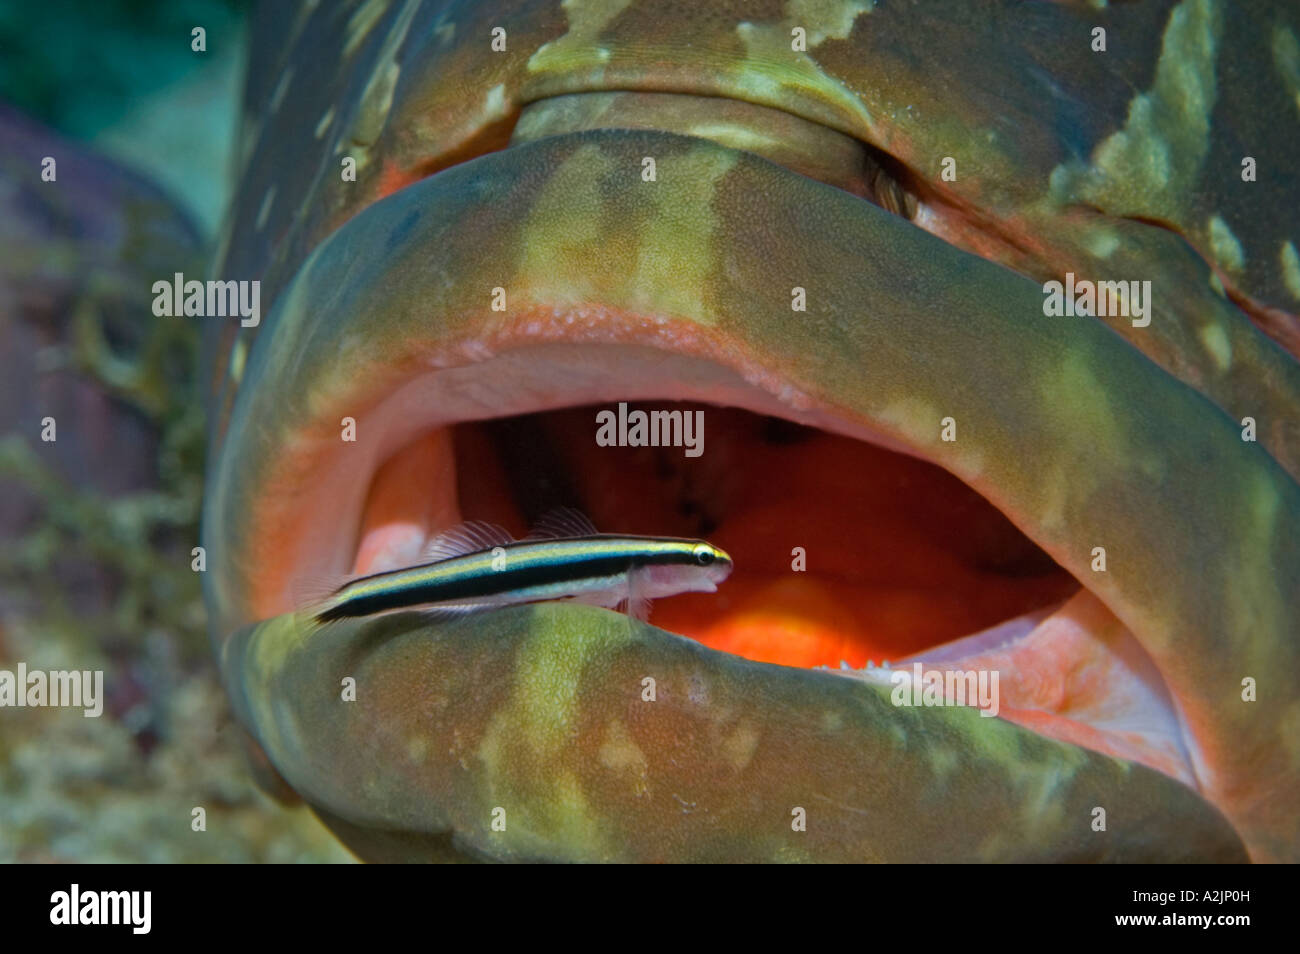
(918, 465)
(928, 563)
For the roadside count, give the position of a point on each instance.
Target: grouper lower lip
(535, 716)
(1064, 427)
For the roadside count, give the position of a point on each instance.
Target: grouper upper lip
(539, 710)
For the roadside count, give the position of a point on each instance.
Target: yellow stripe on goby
(600, 569)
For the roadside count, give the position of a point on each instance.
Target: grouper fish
(841, 231)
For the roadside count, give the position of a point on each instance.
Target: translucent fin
(603, 598)
(470, 537)
(314, 590)
(636, 605)
(638, 609)
(450, 611)
(562, 523)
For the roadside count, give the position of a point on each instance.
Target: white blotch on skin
(494, 106)
(1217, 344)
(1291, 269)
(281, 88)
(325, 122)
(264, 211)
(1227, 250)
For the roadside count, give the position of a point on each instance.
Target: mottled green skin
(1084, 436)
(1021, 113)
(540, 711)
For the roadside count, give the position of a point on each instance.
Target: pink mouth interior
(902, 561)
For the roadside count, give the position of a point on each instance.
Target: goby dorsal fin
(470, 537)
(561, 523)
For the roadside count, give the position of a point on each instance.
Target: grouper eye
(703, 555)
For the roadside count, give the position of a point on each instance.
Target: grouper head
(834, 229)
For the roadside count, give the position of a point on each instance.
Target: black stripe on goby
(529, 564)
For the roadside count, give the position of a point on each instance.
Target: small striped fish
(479, 566)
